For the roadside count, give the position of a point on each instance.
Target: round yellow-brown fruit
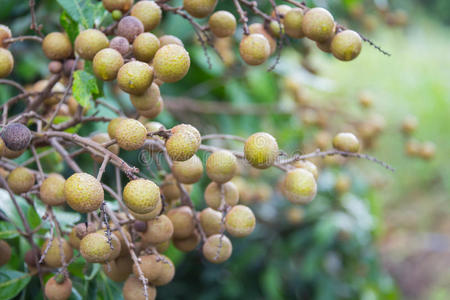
(145, 46)
(261, 150)
(53, 258)
(159, 230)
(135, 77)
(318, 24)
(182, 220)
(346, 141)
(6, 62)
(21, 180)
(221, 166)
(346, 45)
(148, 99)
(57, 46)
(183, 143)
(106, 64)
(130, 134)
(148, 12)
(133, 289)
(83, 192)
(211, 221)
(113, 125)
(222, 24)
(150, 266)
(141, 195)
(95, 248)
(213, 194)
(217, 249)
(101, 138)
(89, 42)
(52, 190)
(199, 8)
(189, 171)
(240, 221)
(171, 63)
(254, 49)
(58, 290)
(293, 23)
(299, 186)
(122, 5)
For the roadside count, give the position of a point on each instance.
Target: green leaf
(69, 25)
(12, 283)
(7, 231)
(84, 86)
(84, 12)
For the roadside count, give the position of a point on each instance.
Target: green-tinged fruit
(116, 15)
(299, 186)
(145, 46)
(51, 191)
(171, 63)
(121, 5)
(141, 195)
(95, 248)
(135, 77)
(149, 266)
(113, 125)
(150, 215)
(276, 29)
(281, 10)
(213, 196)
(6, 62)
(154, 111)
(222, 24)
(307, 165)
(293, 23)
(187, 244)
(259, 28)
(154, 126)
(167, 272)
(57, 46)
(16, 136)
(131, 134)
(221, 166)
(5, 33)
(240, 221)
(101, 138)
(217, 249)
(89, 42)
(163, 247)
(58, 291)
(346, 45)
(211, 221)
(159, 230)
(182, 219)
(78, 232)
(346, 141)
(318, 24)
(53, 257)
(120, 44)
(170, 39)
(183, 143)
(106, 64)
(148, 12)
(199, 8)
(189, 171)
(133, 289)
(21, 180)
(83, 192)
(148, 99)
(254, 49)
(5, 253)
(119, 269)
(261, 150)
(130, 27)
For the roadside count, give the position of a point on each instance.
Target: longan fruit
(307, 165)
(133, 289)
(16, 136)
(148, 12)
(69, 65)
(281, 10)
(427, 150)
(259, 28)
(217, 249)
(409, 124)
(325, 46)
(55, 67)
(6, 62)
(141, 195)
(159, 230)
(83, 192)
(53, 257)
(135, 77)
(199, 8)
(182, 220)
(170, 39)
(154, 126)
(170, 189)
(346, 45)
(102, 138)
(154, 111)
(5, 253)
(113, 125)
(276, 28)
(318, 24)
(261, 150)
(222, 23)
(89, 42)
(120, 44)
(5, 33)
(131, 134)
(294, 215)
(145, 46)
(211, 221)
(299, 186)
(119, 269)
(29, 258)
(213, 196)
(240, 221)
(57, 46)
(106, 64)
(95, 248)
(52, 190)
(189, 171)
(21, 180)
(163, 247)
(183, 143)
(292, 22)
(130, 27)
(346, 141)
(121, 5)
(221, 166)
(254, 49)
(342, 184)
(148, 99)
(150, 215)
(123, 244)
(167, 272)
(171, 63)
(187, 244)
(56, 290)
(117, 248)
(78, 232)
(149, 266)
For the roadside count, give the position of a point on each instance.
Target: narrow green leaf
(69, 25)
(84, 86)
(84, 12)
(12, 283)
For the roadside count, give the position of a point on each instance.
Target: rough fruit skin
(171, 63)
(211, 221)
(318, 24)
(182, 220)
(119, 269)
(154, 126)
(16, 136)
(307, 165)
(187, 244)
(120, 44)
(281, 10)
(135, 77)
(159, 230)
(130, 27)
(83, 192)
(147, 100)
(133, 289)
(170, 189)
(221, 166)
(222, 24)
(346, 45)
(240, 221)
(141, 195)
(149, 266)
(145, 46)
(101, 138)
(53, 257)
(131, 134)
(95, 248)
(189, 171)
(154, 111)
(299, 186)
(21, 180)
(6, 62)
(57, 46)
(293, 23)
(122, 5)
(52, 190)
(78, 232)
(89, 42)
(167, 272)
(148, 12)
(5, 33)
(259, 28)
(217, 249)
(213, 197)
(58, 291)
(113, 125)
(170, 39)
(346, 141)
(5, 253)
(106, 64)
(261, 150)
(150, 215)
(183, 143)
(199, 8)
(123, 245)
(117, 247)
(254, 49)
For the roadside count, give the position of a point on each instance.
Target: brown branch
(34, 26)
(23, 38)
(242, 16)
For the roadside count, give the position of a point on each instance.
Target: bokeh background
(370, 233)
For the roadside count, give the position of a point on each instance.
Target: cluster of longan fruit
(425, 150)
